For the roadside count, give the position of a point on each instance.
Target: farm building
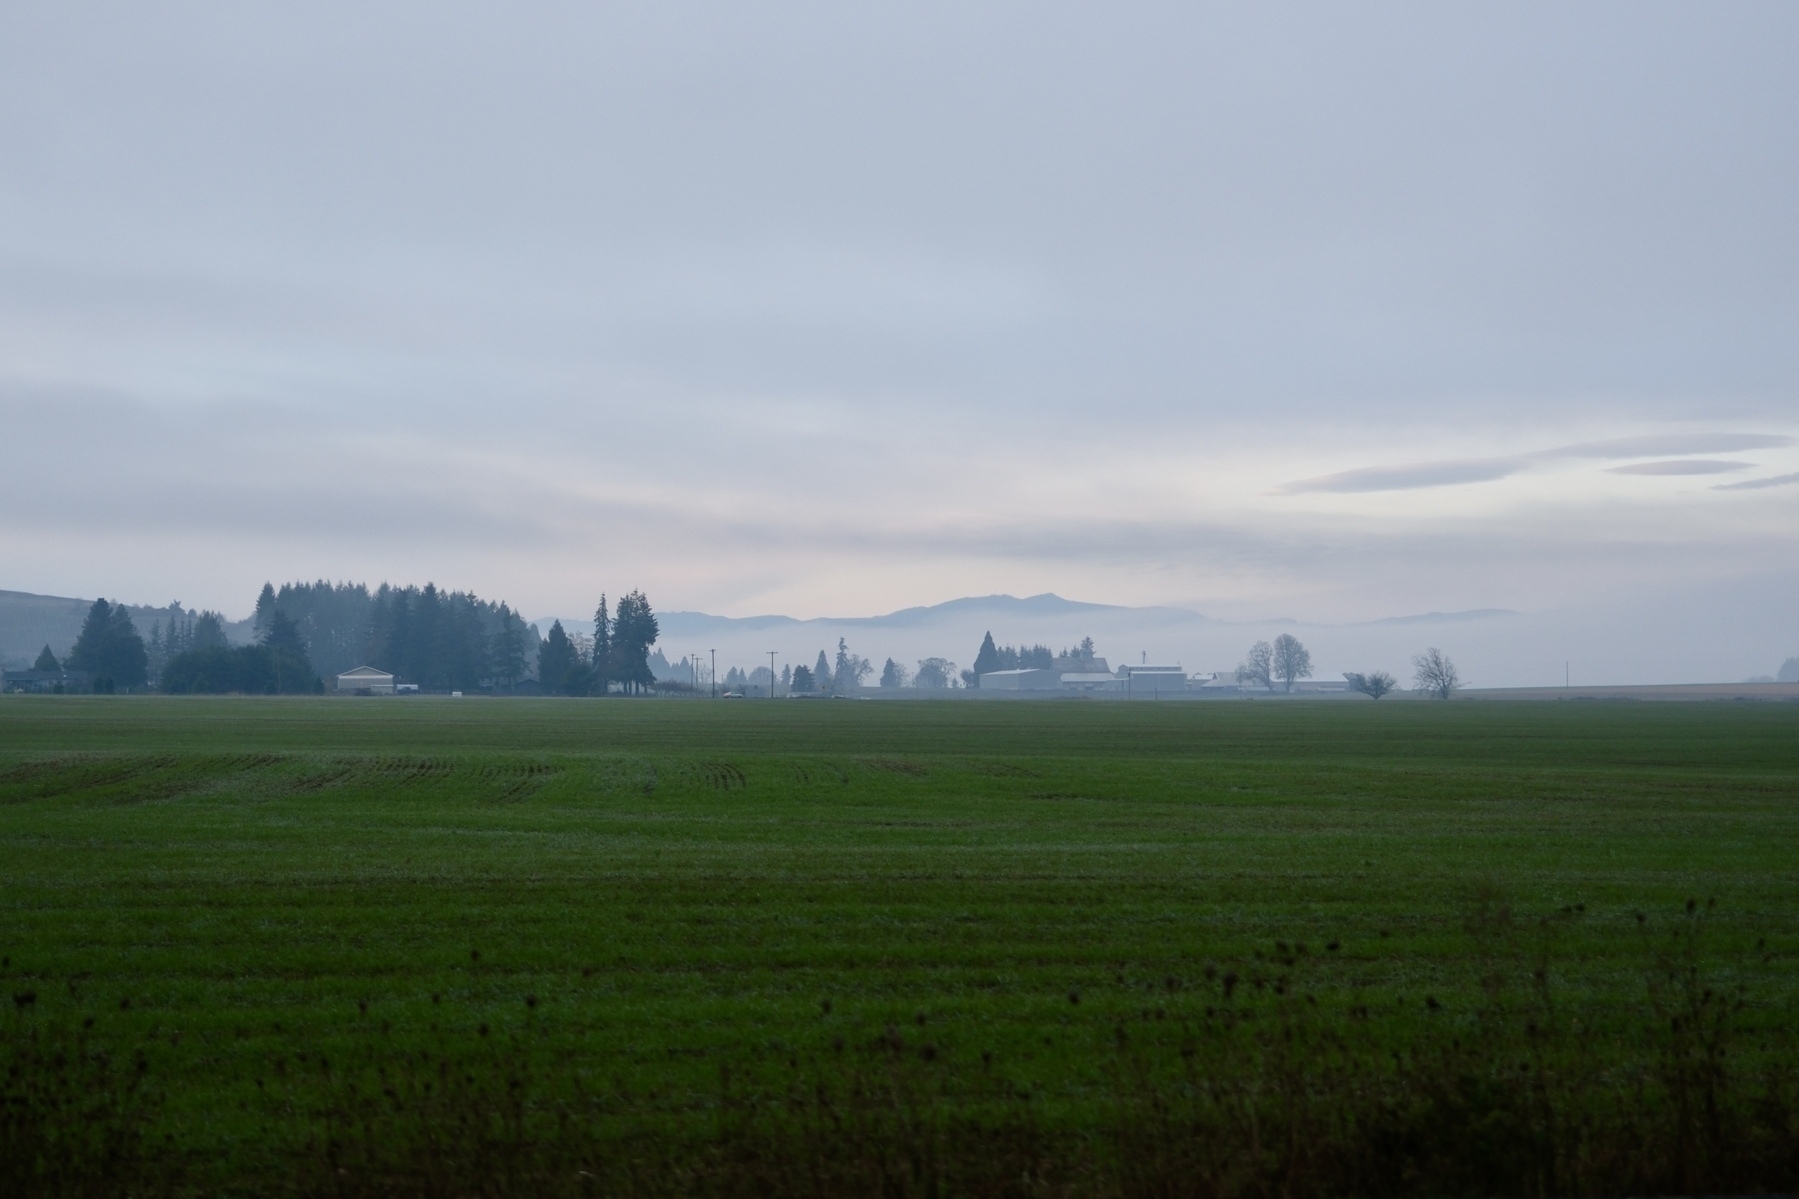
(1022, 680)
(1090, 680)
(1153, 680)
(43, 682)
(365, 680)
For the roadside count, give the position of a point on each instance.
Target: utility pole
(771, 674)
(714, 679)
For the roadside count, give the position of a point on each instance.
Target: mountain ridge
(687, 622)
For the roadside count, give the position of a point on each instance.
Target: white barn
(365, 680)
(1021, 680)
(1152, 680)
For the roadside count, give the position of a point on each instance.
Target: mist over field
(1672, 639)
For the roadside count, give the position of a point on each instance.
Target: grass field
(664, 915)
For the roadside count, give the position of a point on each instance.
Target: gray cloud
(1404, 478)
(1682, 466)
(1455, 472)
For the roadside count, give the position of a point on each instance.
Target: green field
(1012, 915)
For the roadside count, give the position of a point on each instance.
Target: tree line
(440, 640)
(275, 665)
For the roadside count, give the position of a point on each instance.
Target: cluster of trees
(1433, 674)
(1373, 685)
(184, 631)
(276, 665)
(993, 657)
(826, 677)
(192, 652)
(441, 640)
(842, 676)
(617, 652)
(932, 674)
(1286, 661)
(109, 649)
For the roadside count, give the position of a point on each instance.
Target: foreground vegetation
(330, 947)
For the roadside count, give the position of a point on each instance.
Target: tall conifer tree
(987, 659)
(602, 647)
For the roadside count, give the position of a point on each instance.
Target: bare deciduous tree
(934, 674)
(1292, 661)
(1434, 674)
(1372, 685)
(1258, 666)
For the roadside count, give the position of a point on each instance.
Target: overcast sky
(1334, 312)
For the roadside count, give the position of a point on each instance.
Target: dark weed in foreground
(72, 1115)
(1263, 1088)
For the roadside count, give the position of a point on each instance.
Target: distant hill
(1032, 608)
(30, 622)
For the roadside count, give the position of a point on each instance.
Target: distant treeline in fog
(441, 640)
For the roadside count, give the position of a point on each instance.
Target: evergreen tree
(265, 610)
(849, 671)
(821, 673)
(602, 647)
(556, 661)
(509, 649)
(284, 635)
(208, 632)
(634, 631)
(802, 681)
(130, 664)
(109, 648)
(334, 618)
(893, 674)
(986, 660)
(89, 652)
(285, 653)
(47, 663)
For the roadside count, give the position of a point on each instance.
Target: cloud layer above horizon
(814, 308)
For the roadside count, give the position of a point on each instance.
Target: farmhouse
(43, 682)
(365, 680)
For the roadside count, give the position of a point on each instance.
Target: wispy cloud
(1682, 466)
(1455, 472)
(1450, 473)
(1758, 484)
